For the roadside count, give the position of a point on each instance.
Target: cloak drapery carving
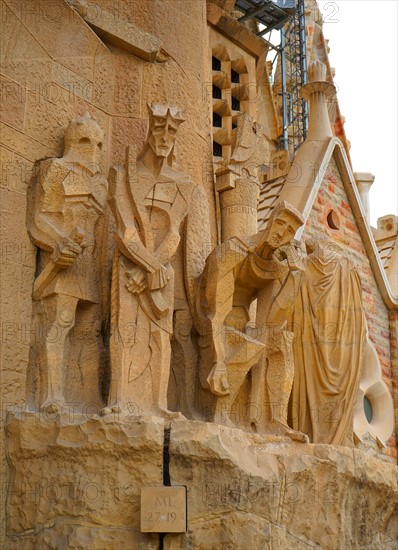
(329, 330)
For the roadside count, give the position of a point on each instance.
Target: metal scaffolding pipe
(285, 135)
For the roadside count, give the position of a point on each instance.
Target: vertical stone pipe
(364, 182)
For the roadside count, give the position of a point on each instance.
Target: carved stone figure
(272, 377)
(189, 262)
(150, 201)
(238, 181)
(236, 273)
(64, 220)
(330, 333)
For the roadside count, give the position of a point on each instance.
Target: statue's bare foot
(276, 427)
(296, 436)
(289, 432)
(115, 408)
(168, 415)
(51, 407)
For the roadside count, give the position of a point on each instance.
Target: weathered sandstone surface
(76, 483)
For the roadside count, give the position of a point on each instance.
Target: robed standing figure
(150, 200)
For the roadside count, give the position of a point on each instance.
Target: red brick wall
(331, 195)
(394, 366)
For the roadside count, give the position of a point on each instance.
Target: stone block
(72, 82)
(104, 77)
(126, 130)
(86, 468)
(127, 87)
(25, 145)
(276, 488)
(13, 96)
(63, 27)
(119, 32)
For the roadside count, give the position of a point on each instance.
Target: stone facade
(207, 290)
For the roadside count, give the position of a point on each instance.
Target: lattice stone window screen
(230, 96)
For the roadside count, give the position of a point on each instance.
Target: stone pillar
(302, 173)
(238, 186)
(364, 182)
(319, 93)
(386, 237)
(239, 209)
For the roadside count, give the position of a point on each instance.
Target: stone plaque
(164, 509)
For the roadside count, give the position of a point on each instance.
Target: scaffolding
(287, 16)
(272, 15)
(294, 76)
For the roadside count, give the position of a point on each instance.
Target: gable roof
(300, 188)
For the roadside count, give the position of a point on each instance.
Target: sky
(363, 49)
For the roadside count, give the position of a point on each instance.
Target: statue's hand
(218, 380)
(136, 280)
(66, 252)
(293, 255)
(159, 278)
